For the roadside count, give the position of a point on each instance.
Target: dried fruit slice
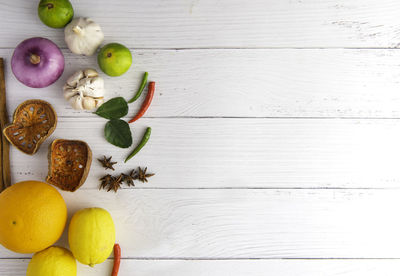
(34, 121)
(69, 164)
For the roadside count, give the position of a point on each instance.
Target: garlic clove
(93, 87)
(66, 87)
(88, 103)
(97, 85)
(76, 102)
(74, 79)
(69, 93)
(90, 73)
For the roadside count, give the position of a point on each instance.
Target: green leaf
(118, 133)
(113, 109)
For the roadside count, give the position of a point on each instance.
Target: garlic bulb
(83, 36)
(85, 90)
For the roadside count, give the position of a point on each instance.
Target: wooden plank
(223, 23)
(216, 153)
(248, 223)
(228, 267)
(245, 83)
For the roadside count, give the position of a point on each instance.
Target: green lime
(114, 59)
(55, 13)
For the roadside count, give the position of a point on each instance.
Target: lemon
(114, 59)
(53, 261)
(91, 235)
(32, 218)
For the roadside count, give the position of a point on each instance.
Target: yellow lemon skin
(91, 235)
(53, 261)
(33, 216)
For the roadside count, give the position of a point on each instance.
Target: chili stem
(150, 93)
(141, 88)
(143, 142)
(117, 259)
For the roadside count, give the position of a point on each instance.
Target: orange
(33, 216)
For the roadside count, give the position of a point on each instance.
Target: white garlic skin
(83, 36)
(84, 90)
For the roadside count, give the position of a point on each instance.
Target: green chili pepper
(141, 88)
(143, 142)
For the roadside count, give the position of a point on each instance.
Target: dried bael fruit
(34, 121)
(69, 164)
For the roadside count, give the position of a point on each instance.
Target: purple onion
(37, 62)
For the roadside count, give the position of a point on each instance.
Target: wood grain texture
(222, 23)
(228, 267)
(245, 83)
(217, 153)
(5, 173)
(226, 223)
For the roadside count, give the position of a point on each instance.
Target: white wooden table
(276, 135)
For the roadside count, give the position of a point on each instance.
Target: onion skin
(37, 62)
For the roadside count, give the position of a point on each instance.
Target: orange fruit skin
(32, 217)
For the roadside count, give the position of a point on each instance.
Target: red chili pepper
(146, 103)
(117, 259)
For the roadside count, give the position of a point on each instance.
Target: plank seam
(218, 259)
(239, 117)
(244, 48)
(254, 188)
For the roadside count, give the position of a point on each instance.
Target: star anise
(109, 182)
(129, 178)
(106, 162)
(142, 175)
(105, 181)
(113, 183)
